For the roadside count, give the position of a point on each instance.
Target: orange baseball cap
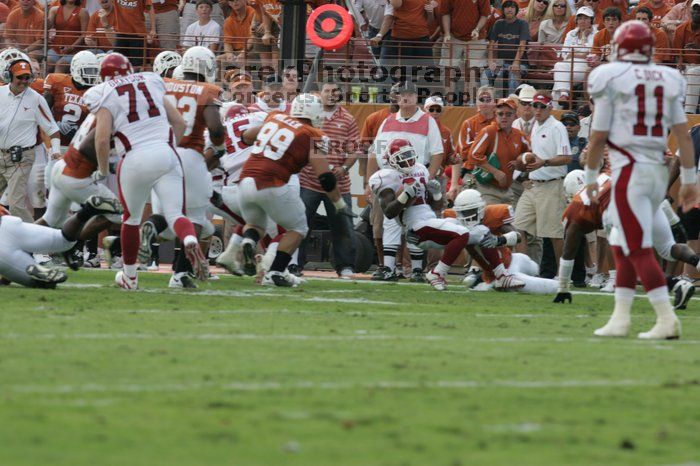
(21, 68)
(240, 79)
(507, 102)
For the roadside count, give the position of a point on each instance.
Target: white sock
(390, 261)
(623, 304)
(661, 303)
(295, 257)
(130, 270)
(189, 239)
(499, 270)
(589, 270)
(441, 268)
(566, 266)
(612, 273)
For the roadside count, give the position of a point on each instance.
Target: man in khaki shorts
(540, 208)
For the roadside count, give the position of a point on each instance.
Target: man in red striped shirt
(344, 149)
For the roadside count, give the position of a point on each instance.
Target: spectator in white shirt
(578, 43)
(205, 32)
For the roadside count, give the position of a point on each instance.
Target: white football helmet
(85, 68)
(401, 156)
(165, 60)
(200, 60)
(178, 73)
(7, 56)
(573, 183)
(469, 207)
(308, 106)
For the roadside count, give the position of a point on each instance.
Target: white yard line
(240, 386)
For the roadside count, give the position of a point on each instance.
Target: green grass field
(336, 374)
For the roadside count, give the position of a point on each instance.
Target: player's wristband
(403, 198)
(339, 205)
(55, 146)
(219, 151)
(511, 238)
(688, 176)
(590, 176)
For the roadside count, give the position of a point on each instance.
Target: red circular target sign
(329, 27)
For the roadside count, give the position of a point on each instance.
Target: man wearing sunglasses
(542, 204)
(24, 111)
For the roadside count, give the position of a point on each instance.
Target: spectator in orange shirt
(678, 14)
(167, 23)
(24, 28)
(100, 34)
(494, 175)
(662, 51)
(410, 42)
(658, 8)
(130, 25)
(67, 24)
(486, 112)
(601, 40)
(4, 11)
(237, 30)
(687, 38)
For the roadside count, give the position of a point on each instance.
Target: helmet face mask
(469, 207)
(85, 68)
(165, 61)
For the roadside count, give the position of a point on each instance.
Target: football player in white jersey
(237, 119)
(131, 107)
(637, 104)
(408, 197)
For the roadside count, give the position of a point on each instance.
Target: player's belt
(5, 151)
(547, 181)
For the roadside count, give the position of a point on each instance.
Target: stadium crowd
(514, 168)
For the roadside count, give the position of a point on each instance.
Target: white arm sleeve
(44, 116)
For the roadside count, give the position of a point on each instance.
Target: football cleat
(249, 263)
(182, 280)
(436, 280)
(148, 234)
(507, 282)
(295, 270)
(126, 282)
(93, 262)
(562, 297)
(200, 265)
(153, 267)
(73, 258)
(229, 260)
(105, 205)
(417, 276)
(683, 290)
(46, 275)
(668, 329)
(608, 286)
(384, 274)
(472, 278)
(278, 279)
(616, 328)
(597, 281)
(483, 286)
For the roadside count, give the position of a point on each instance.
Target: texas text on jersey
(68, 105)
(191, 98)
(282, 148)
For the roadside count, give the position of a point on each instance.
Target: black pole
(293, 36)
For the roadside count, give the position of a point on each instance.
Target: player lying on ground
(20, 240)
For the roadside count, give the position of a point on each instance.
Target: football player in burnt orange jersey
(64, 93)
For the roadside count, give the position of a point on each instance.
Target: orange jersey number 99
(273, 141)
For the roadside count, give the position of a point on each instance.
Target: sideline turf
(398, 375)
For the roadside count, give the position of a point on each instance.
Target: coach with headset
(22, 111)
